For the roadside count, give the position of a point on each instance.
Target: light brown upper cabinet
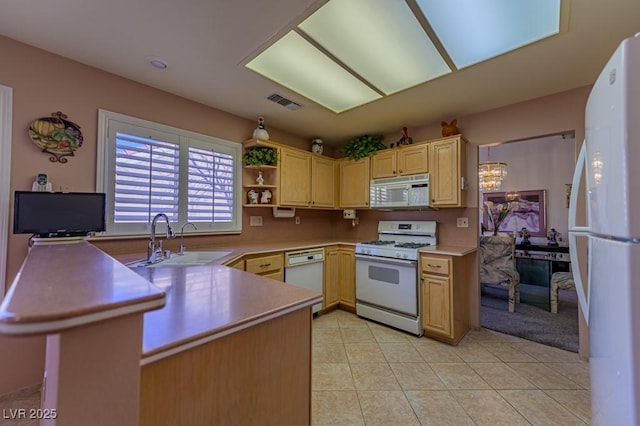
(295, 178)
(323, 185)
(354, 183)
(405, 160)
(306, 180)
(447, 167)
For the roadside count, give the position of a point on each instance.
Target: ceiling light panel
(295, 63)
(472, 31)
(380, 40)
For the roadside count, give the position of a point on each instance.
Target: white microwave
(400, 192)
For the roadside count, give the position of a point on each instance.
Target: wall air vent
(287, 103)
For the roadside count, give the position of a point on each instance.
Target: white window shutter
(211, 186)
(146, 179)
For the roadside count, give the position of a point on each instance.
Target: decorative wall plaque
(56, 135)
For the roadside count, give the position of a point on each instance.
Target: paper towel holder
(284, 212)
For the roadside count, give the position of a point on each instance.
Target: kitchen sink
(186, 259)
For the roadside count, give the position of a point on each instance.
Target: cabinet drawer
(264, 264)
(436, 265)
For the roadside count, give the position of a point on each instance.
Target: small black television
(58, 214)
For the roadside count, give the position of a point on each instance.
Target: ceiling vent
(287, 103)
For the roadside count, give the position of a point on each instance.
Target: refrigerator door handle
(583, 297)
(576, 231)
(575, 186)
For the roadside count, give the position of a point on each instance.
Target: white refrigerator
(610, 163)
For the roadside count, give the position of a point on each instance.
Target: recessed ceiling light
(352, 52)
(478, 31)
(380, 40)
(295, 63)
(158, 63)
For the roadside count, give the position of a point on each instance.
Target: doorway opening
(536, 188)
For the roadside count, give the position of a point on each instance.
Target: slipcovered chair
(563, 280)
(498, 265)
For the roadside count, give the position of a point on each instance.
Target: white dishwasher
(304, 269)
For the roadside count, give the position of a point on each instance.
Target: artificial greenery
(363, 146)
(260, 156)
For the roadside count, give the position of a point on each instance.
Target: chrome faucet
(152, 250)
(181, 251)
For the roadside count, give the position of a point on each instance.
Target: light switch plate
(255, 220)
(463, 222)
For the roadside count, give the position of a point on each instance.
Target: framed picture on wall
(529, 211)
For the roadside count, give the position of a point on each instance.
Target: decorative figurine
(253, 196)
(260, 132)
(405, 139)
(553, 237)
(316, 146)
(450, 129)
(266, 197)
(260, 179)
(525, 235)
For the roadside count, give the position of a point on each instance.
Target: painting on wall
(528, 211)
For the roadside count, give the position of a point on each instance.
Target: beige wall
(44, 83)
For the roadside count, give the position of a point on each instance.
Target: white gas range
(400, 240)
(387, 288)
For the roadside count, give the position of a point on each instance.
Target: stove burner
(412, 245)
(378, 242)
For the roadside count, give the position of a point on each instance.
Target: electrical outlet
(463, 222)
(255, 220)
(349, 214)
(297, 220)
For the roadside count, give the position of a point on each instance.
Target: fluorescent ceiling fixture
(380, 40)
(295, 63)
(473, 31)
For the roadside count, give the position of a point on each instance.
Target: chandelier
(490, 175)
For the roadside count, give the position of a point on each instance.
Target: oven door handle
(386, 260)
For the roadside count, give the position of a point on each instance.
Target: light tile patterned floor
(365, 373)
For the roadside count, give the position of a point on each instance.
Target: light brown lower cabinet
(331, 287)
(339, 278)
(237, 264)
(445, 296)
(347, 294)
(260, 375)
(268, 265)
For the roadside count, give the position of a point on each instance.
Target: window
(147, 168)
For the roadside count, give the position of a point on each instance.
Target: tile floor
(365, 373)
(369, 374)
(16, 408)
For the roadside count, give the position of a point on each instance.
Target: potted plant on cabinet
(261, 156)
(363, 146)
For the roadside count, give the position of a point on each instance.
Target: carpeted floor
(530, 322)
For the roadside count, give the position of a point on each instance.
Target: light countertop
(237, 251)
(66, 285)
(209, 301)
(450, 250)
(60, 286)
